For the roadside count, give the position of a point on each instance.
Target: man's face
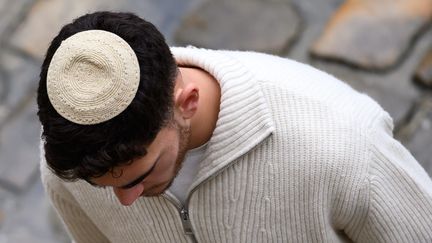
(153, 173)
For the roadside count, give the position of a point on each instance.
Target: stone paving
(305, 30)
(245, 25)
(423, 73)
(362, 34)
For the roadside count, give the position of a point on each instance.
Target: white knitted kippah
(93, 76)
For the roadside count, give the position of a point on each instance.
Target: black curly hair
(74, 151)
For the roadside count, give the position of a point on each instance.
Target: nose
(128, 196)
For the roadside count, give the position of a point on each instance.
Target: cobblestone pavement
(304, 30)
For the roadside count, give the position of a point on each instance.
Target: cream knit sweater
(297, 156)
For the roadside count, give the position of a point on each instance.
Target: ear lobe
(187, 101)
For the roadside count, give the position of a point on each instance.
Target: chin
(158, 189)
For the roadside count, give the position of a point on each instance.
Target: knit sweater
(296, 156)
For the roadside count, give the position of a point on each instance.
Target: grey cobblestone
(416, 133)
(28, 217)
(388, 34)
(3, 6)
(19, 150)
(10, 15)
(394, 90)
(48, 16)
(45, 19)
(3, 94)
(241, 25)
(423, 74)
(18, 78)
(18, 139)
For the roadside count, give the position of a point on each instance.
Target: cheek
(168, 162)
(171, 160)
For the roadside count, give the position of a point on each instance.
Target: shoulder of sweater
(287, 77)
(390, 155)
(310, 84)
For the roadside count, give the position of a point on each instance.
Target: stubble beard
(184, 136)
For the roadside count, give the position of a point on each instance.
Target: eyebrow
(140, 178)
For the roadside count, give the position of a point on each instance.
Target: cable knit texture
(297, 156)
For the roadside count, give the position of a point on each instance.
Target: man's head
(148, 126)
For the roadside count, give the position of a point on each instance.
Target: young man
(143, 143)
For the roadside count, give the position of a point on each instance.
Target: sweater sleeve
(79, 226)
(400, 192)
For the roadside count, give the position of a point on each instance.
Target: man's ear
(186, 100)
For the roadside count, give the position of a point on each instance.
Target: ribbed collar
(244, 119)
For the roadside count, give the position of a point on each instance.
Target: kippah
(93, 77)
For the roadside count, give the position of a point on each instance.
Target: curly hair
(74, 151)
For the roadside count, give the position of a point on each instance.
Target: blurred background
(379, 47)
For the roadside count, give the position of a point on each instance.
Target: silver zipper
(184, 215)
(183, 209)
(187, 226)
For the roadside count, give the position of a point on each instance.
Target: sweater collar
(244, 119)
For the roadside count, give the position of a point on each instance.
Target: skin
(196, 108)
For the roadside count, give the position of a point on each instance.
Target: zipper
(184, 215)
(187, 226)
(183, 209)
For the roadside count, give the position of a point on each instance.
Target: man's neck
(203, 122)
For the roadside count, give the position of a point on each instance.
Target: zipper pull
(187, 226)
